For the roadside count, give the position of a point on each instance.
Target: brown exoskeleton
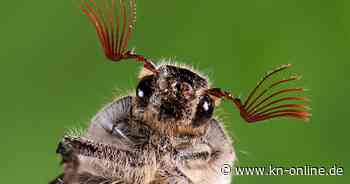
(166, 133)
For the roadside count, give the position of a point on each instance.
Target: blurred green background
(54, 76)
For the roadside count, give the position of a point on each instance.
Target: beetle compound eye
(145, 89)
(205, 107)
(204, 111)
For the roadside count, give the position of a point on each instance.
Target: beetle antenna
(253, 110)
(114, 23)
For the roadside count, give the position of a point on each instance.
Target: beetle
(166, 132)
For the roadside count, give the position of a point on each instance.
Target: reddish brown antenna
(258, 108)
(114, 21)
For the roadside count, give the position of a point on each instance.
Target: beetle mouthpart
(169, 110)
